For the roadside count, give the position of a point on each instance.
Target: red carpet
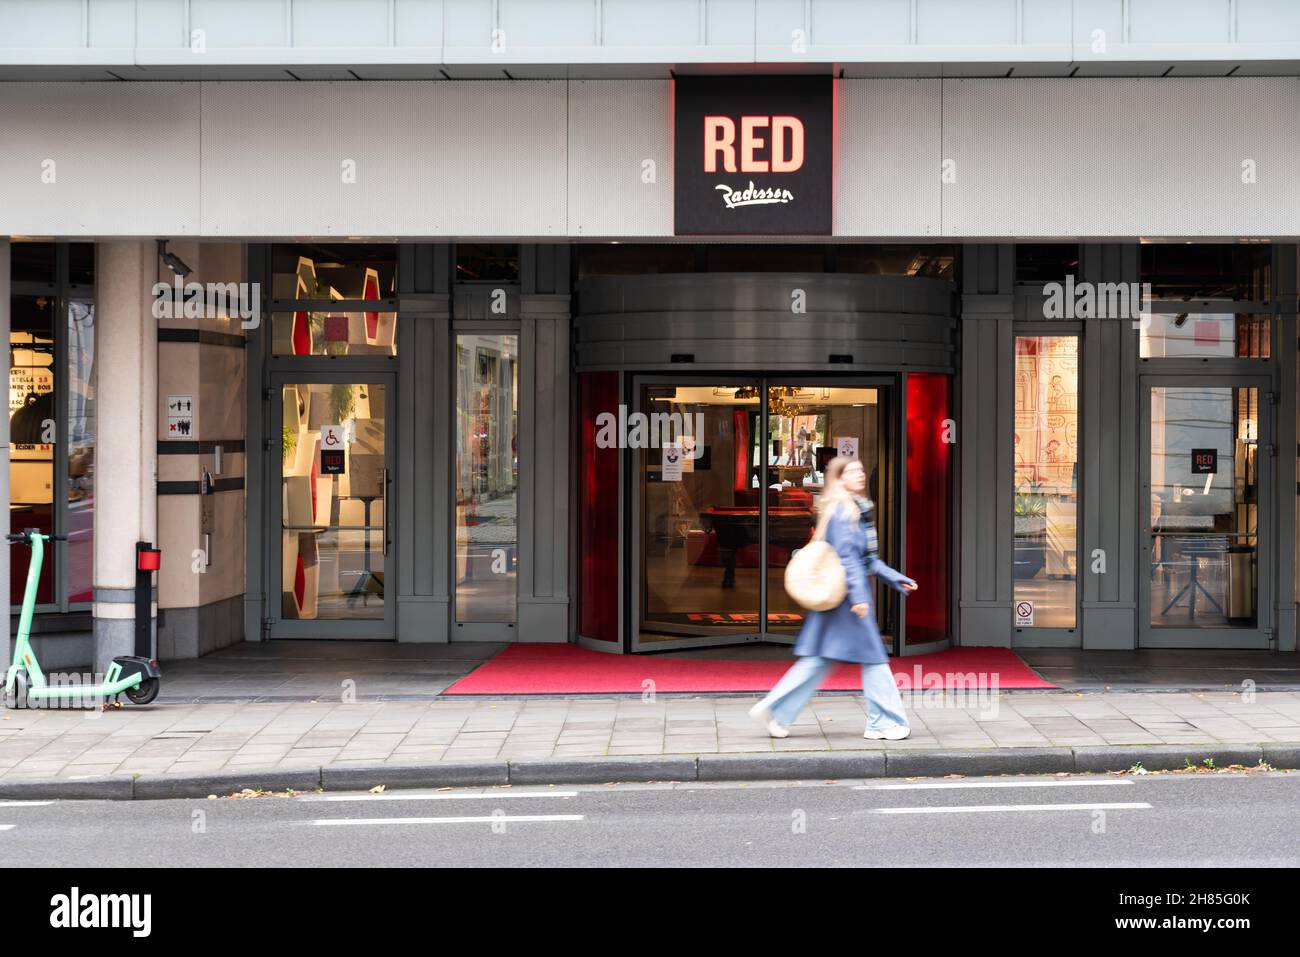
(568, 669)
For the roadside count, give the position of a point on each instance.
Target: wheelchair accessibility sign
(333, 442)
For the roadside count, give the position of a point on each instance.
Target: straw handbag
(814, 578)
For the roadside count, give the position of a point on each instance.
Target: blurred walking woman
(847, 632)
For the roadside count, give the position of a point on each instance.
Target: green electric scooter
(137, 678)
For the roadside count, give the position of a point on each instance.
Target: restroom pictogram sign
(180, 417)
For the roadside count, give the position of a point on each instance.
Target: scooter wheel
(18, 698)
(144, 692)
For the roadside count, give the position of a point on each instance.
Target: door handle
(385, 512)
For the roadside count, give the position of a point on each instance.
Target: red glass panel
(929, 497)
(598, 518)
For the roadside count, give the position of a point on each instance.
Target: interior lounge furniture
(737, 530)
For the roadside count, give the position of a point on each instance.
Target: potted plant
(1031, 530)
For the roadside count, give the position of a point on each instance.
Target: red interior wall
(929, 513)
(598, 517)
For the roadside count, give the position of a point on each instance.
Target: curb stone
(101, 787)
(1163, 757)
(791, 766)
(450, 775)
(759, 766)
(163, 786)
(916, 763)
(1282, 755)
(603, 770)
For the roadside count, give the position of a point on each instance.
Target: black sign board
(1205, 461)
(331, 461)
(753, 155)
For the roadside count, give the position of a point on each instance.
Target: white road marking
(993, 808)
(501, 818)
(7, 827)
(24, 803)
(437, 797)
(946, 785)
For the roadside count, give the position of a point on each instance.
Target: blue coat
(839, 634)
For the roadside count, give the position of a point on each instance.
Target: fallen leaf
(377, 789)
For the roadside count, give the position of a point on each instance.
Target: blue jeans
(800, 683)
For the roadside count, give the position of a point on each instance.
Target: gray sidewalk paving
(284, 736)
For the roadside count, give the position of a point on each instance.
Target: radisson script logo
(753, 196)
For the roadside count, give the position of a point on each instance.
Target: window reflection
(487, 477)
(1047, 480)
(31, 435)
(323, 273)
(81, 450)
(1204, 509)
(1202, 335)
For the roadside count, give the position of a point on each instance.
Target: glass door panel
(487, 478)
(334, 477)
(1207, 494)
(728, 481)
(1046, 440)
(700, 529)
(808, 425)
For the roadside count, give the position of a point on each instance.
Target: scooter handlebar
(24, 537)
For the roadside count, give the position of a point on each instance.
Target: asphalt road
(1246, 820)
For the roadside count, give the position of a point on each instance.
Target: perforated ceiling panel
(299, 159)
(1122, 157)
(86, 158)
(887, 163)
(620, 158)
(481, 159)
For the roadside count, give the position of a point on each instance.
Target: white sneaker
(760, 712)
(776, 731)
(897, 733)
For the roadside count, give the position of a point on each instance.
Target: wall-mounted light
(174, 262)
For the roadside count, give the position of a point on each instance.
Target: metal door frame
(384, 629)
(1263, 634)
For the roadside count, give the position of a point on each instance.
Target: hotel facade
(493, 320)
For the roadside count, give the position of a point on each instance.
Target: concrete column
(201, 593)
(544, 491)
(4, 438)
(1109, 466)
(126, 449)
(987, 408)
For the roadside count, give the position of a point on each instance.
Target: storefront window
(1203, 335)
(52, 467)
(334, 273)
(81, 450)
(487, 477)
(32, 262)
(487, 262)
(1047, 480)
(1239, 271)
(31, 435)
(1046, 262)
